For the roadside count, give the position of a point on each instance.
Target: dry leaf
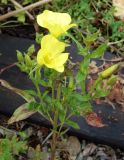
(117, 93)
(93, 68)
(73, 146)
(119, 7)
(94, 120)
(20, 92)
(21, 113)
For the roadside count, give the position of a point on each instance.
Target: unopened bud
(109, 71)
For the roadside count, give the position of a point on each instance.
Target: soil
(69, 148)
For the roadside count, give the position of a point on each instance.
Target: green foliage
(9, 148)
(113, 31)
(38, 37)
(25, 60)
(25, 2)
(4, 1)
(20, 16)
(72, 101)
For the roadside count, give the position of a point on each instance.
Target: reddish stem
(7, 67)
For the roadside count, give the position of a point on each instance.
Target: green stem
(62, 124)
(53, 94)
(77, 43)
(55, 125)
(94, 85)
(38, 90)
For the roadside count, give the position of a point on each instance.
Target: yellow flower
(56, 23)
(51, 54)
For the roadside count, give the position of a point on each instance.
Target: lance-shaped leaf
(20, 92)
(21, 113)
(99, 52)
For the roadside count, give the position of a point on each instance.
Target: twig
(94, 7)
(31, 6)
(20, 6)
(4, 131)
(111, 43)
(112, 60)
(7, 67)
(49, 135)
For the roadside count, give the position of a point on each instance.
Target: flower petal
(49, 17)
(58, 62)
(40, 59)
(52, 46)
(56, 23)
(60, 59)
(59, 69)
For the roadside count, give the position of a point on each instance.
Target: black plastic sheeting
(112, 133)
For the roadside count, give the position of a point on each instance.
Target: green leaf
(84, 65)
(111, 81)
(38, 38)
(58, 105)
(90, 39)
(28, 60)
(33, 105)
(72, 124)
(21, 17)
(79, 77)
(25, 2)
(31, 50)
(4, 1)
(31, 92)
(20, 56)
(80, 98)
(101, 93)
(62, 116)
(85, 108)
(99, 52)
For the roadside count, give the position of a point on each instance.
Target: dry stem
(31, 6)
(20, 6)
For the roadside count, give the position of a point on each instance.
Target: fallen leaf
(21, 113)
(117, 93)
(89, 149)
(94, 120)
(20, 92)
(71, 146)
(93, 69)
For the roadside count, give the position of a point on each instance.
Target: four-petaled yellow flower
(51, 54)
(56, 23)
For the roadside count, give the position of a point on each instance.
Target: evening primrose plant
(60, 84)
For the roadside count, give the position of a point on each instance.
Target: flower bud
(20, 56)
(109, 71)
(71, 82)
(28, 60)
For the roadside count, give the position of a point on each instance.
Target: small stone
(73, 146)
(89, 149)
